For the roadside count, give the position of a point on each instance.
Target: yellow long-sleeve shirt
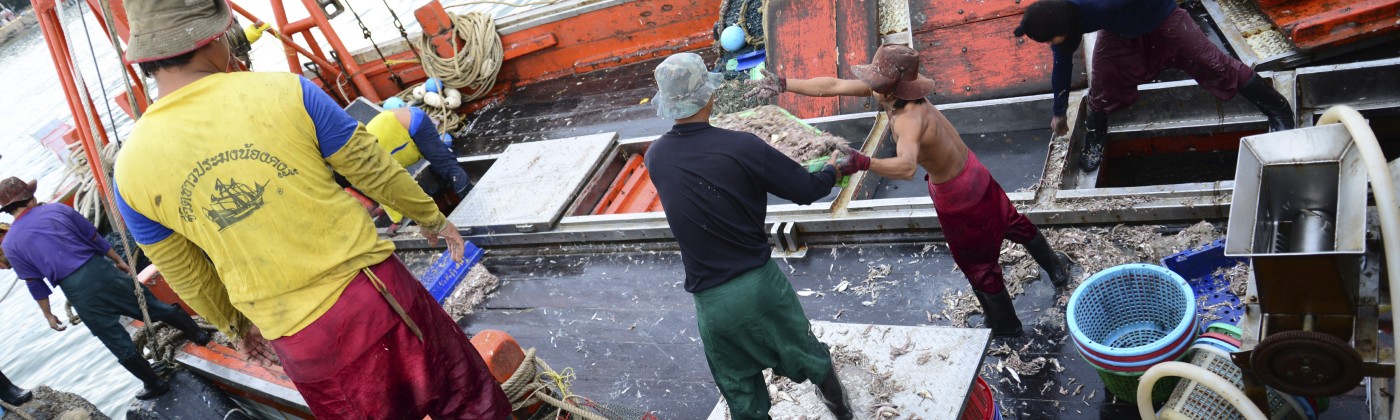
(224, 183)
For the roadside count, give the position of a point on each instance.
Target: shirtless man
(972, 208)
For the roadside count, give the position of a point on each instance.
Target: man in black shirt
(714, 185)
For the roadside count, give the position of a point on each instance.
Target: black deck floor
(592, 103)
(626, 326)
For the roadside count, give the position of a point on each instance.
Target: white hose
(1382, 188)
(1202, 377)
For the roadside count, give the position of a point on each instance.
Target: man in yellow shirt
(225, 183)
(409, 135)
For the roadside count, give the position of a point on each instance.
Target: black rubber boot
(1095, 139)
(182, 321)
(1000, 314)
(1055, 263)
(141, 369)
(12, 394)
(834, 396)
(1263, 95)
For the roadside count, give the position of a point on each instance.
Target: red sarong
(1121, 64)
(976, 215)
(361, 361)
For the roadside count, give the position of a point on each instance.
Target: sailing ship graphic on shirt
(233, 201)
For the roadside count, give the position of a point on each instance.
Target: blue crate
(1198, 267)
(444, 275)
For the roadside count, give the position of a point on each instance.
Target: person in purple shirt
(54, 242)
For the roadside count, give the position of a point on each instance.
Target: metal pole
(57, 41)
(351, 67)
(279, 13)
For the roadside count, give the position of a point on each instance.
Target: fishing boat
(593, 285)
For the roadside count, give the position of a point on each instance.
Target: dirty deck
(571, 106)
(626, 326)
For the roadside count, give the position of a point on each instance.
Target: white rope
(121, 55)
(473, 66)
(11, 290)
(105, 164)
(472, 69)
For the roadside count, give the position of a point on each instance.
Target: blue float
(732, 39)
(394, 102)
(433, 85)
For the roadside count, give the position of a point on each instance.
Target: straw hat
(162, 29)
(895, 71)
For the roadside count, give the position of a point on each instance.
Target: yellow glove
(255, 31)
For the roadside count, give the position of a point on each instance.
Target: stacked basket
(1212, 352)
(1127, 318)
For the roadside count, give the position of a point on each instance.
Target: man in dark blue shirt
(714, 185)
(1137, 39)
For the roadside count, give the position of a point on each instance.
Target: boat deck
(624, 323)
(616, 99)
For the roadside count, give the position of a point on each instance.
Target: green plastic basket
(1124, 385)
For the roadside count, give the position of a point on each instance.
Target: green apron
(752, 323)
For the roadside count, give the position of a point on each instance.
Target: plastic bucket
(1131, 311)
(980, 404)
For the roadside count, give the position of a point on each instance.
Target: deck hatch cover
(953, 358)
(529, 187)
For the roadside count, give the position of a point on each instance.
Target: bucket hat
(13, 190)
(162, 29)
(895, 71)
(684, 86)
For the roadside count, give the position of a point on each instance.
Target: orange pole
(279, 13)
(58, 50)
(356, 76)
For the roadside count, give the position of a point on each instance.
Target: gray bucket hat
(167, 28)
(684, 86)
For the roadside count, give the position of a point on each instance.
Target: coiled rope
(530, 384)
(471, 69)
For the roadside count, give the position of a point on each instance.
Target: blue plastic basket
(1198, 267)
(444, 275)
(1131, 310)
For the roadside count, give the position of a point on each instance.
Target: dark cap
(1046, 19)
(13, 190)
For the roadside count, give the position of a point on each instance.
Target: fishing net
(783, 131)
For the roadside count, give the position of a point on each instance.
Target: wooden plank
(936, 14)
(1317, 24)
(801, 45)
(618, 29)
(985, 61)
(857, 37)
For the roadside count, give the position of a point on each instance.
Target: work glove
(766, 88)
(852, 161)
